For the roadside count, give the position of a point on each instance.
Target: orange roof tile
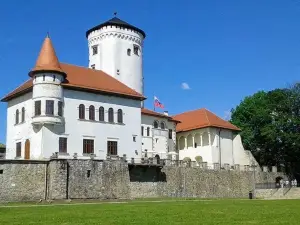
(156, 114)
(201, 118)
(47, 59)
(84, 79)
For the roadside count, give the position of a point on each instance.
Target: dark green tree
(270, 123)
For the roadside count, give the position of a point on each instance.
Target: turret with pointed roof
(47, 60)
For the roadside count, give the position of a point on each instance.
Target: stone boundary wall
(22, 180)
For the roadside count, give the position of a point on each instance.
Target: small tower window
(136, 49)
(93, 66)
(118, 72)
(129, 52)
(37, 108)
(60, 108)
(155, 124)
(49, 107)
(95, 49)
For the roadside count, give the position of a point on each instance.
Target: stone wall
(22, 180)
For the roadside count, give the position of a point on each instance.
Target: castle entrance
(27, 149)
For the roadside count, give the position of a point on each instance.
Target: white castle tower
(47, 94)
(116, 48)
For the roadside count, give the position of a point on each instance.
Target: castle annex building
(98, 111)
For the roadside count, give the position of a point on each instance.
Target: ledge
(47, 119)
(17, 124)
(104, 122)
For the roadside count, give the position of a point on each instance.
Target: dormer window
(95, 49)
(136, 49)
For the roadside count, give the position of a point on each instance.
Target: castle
(98, 111)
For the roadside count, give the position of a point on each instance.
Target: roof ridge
(192, 110)
(208, 121)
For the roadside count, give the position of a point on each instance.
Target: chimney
(166, 113)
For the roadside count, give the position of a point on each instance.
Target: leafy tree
(270, 123)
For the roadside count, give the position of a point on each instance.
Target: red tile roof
(47, 59)
(156, 114)
(85, 79)
(201, 118)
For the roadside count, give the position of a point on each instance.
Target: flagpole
(154, 106)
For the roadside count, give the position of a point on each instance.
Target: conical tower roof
(47, 60)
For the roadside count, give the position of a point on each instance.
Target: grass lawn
(213, 212)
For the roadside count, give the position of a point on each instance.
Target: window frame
(17, 119)
(101, 114)
(37, 108)
(18, 149)
(23, 115)
(111, 115)
(81, 112)
(120, 116)
(63, 145)
(88, 146)
(112, 148)
(92, 112)
(49, 108)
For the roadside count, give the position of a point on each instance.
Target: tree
(270, 124)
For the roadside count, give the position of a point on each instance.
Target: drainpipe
(220, 157)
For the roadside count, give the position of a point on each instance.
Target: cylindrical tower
(47, 94)
(116, 48)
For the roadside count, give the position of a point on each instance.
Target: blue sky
(223, 50)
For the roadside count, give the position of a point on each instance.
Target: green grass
(210, 212)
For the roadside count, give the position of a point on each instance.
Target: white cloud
(227, 115)
(185, 86)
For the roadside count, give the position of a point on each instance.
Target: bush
(198, 159)
(187, 159)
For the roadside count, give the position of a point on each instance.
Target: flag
(157, 103)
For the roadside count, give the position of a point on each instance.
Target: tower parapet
(116, 48)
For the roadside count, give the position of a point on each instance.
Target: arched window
(142, 131)
(148, 131)
(110, 115)
(23, 115)
(81, 112)
(101, 114)
(155, 124)
(120, 116)
(128, 51)
(17, 116)
(91, 112)
(162, 125)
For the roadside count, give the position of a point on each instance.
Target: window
(162, 125)
(37, 108)
(120, 116)
(91, 112)
(93, 66)
(23, 115)
(63, 146)
(118, 72)
(18, 149)
(136, 49)
(129, 52)
(43, 77)
(110, 115)
(95, 49)
(170, 133)
(142, 131)
(53, 77)
(49, 107)
(17, 116)
(134, 138)
(81, 112)
(112, 148)
(155, 124)
(101, 114)
(88, 146)
(60, 108)
(148, 131)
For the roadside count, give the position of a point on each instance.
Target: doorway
(27, 149)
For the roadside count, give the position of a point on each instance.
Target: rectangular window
(88, 146)
(136, 49)
(63, 145)
(142, 131)
(95, 50)
(49, 107)
(60, 108)
(170, 134)
(18, 149)
(112, 148)
(37, 108)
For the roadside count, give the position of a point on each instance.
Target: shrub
(198, 158)
(187, 159)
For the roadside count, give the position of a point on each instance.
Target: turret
(116, 48)
(47, 92)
